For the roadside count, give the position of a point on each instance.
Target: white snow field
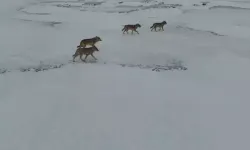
(104, 106)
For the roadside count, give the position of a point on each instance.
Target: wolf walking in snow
(131, 27)
(85, 51)
(90, 41)
(159, 25)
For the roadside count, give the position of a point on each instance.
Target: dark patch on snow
(156, 68)
(41, 67)
(202, 4)
(82, 4)
(29, 13)
(3, 70)
(70, 4)
(52, 24)
(92, 3)
(174, 65)
(214, 33)
(61, 1)
(20, 8)
(154, 6)
(241, 1)
(46, 23)
(192, 29)
(147, 1)
(228, 7)
(162, 5)
(129, 11)
(64, 5)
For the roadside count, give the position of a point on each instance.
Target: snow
(104, 106)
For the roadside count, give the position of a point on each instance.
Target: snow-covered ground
(105, 106)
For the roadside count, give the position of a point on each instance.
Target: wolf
(131, 27)
(85, 51)
(90, 41)
(159, 25)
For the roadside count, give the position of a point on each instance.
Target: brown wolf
(159, 25)
(131, 27)
(86, 51)
(90, 41)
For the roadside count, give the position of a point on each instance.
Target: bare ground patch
(228, 7)
(91, 6)
(174, 65)
(45, 23)
(196, 30)
(29, 13)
